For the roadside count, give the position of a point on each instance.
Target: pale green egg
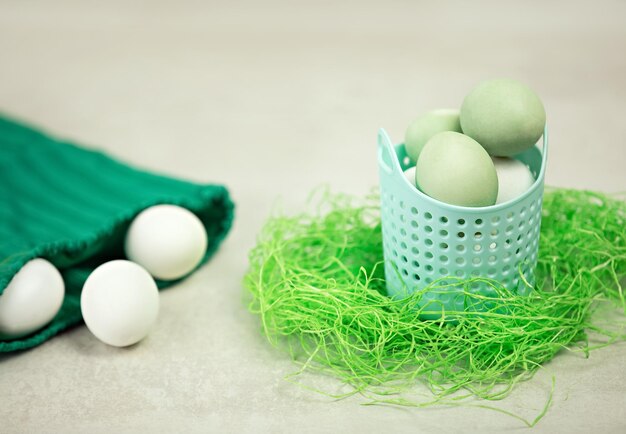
(456, 169)
(505, 116)
(426, 126)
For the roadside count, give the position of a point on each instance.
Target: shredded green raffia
(317, 282)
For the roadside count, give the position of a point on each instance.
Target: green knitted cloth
(72, 206)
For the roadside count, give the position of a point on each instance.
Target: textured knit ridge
(72, 206)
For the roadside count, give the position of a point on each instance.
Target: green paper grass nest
(317, 283)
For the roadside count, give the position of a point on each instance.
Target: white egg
(410, 175)
(119, 303)
(31, 300)
(167, 240)
(514, 178)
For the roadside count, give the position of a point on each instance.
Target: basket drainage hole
(493, 246)
(476, 261)
(460, 248)
(443, 258)
(428, 229)
(459, 273)
(414, 237)
(443, 220)
(443, 233)
(403, 232)
(495, 220)
(415, 250)
(428, 255)
(403, 245)
(406, 273)
(404, 259)
(460, 261)
(415, 264)
(414, 223)
(428, 216)
(461, 235)
(429, 268)
(444, 271)
(429, 242)
(461, 222)
(414, 210)
(478, 222)
(477, 247)
(443, 246)
(478, 235)
(416, 277)
(492, 259)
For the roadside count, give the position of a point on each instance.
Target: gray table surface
(273, 99)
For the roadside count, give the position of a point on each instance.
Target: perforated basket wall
(425, 239)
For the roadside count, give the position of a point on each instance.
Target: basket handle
(544, 153)
(387, 157)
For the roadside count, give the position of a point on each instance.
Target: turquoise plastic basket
(425, 239)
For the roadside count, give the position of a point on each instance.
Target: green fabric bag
(72, 206)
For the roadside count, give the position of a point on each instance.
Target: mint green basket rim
(387, 145)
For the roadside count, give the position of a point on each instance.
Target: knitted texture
(72, 206)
